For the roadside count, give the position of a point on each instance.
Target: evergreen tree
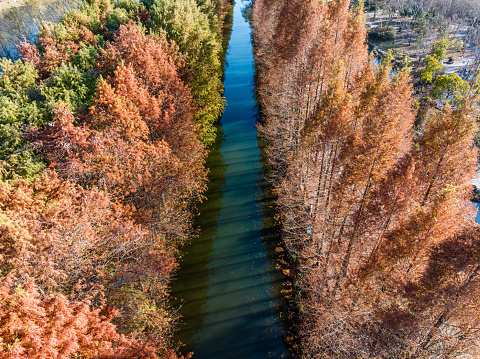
(197, 33)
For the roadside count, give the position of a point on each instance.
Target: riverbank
(8, 4)
(103, 225)
(5, 4)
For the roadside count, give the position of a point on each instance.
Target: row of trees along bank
(103, 130)
(375, 213)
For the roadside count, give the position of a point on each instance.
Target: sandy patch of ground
(476, 180)
(6, 4)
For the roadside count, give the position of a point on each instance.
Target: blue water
(228, 288)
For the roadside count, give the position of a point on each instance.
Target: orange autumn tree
(54, 327)
(139, 142)
(299, 46)
(428, 313)
(79, 243)
(365, 203)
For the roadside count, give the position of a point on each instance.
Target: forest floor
(407, 44)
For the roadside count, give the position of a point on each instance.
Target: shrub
(382, 33)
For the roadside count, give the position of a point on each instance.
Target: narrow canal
(228, 286)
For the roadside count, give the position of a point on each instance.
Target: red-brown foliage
(77, 242)
(364, 202)
(54, 327)
(140, 143)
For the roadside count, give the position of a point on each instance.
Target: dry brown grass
(6, 4)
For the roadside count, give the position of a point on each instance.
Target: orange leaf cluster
(139, 143)
(57, 328)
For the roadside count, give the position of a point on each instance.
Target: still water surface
(228, 285)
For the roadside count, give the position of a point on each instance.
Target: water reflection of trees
(247, 6)
(189, 290)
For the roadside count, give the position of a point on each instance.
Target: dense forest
(374, 207)
(105, 123)
(104, 126)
